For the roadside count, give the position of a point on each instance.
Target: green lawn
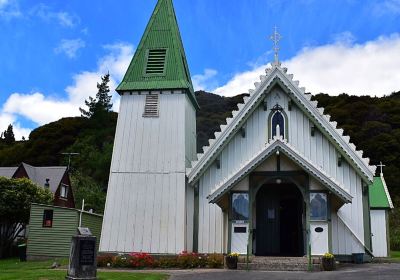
(395, 254)
(39, 270)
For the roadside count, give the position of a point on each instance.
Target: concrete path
(350, 272)
(345, 272)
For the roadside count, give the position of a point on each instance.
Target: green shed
(51, 228)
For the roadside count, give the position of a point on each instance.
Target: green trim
(196, 219)
(229, 224)
(330, 246)
(366, 217)
(387, 232)
(308, 226)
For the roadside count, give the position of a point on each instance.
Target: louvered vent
(151, 106)
(156, 61)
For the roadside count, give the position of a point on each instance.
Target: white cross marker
(275, 38)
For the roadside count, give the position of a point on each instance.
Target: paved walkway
(351, 272)
(346, 272)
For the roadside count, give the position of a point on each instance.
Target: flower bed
(141, 260)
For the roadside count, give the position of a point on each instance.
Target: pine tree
(102, 102)
(9, 136)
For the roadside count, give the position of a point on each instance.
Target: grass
(395, 254)
(12, 269)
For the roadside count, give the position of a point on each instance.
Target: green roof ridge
(162, 32)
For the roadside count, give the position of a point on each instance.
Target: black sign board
(87, 249)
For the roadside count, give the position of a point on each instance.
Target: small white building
(279, 179)
(380, 204)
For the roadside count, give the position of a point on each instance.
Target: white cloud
(7, 119)
(371, 68)
(9, 9)
(42, 109)
(70, 47)
(47, 14)
(205, 81)
(386, 7)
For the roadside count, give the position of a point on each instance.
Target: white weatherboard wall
(146, 207)
(316, 149)
(379, 233)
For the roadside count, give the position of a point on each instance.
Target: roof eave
(279, 144)
(364, 170)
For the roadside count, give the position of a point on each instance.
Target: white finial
(275, 38)
(381, 166)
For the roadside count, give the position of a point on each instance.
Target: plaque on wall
(87, 251)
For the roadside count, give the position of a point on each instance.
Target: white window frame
(64, 191)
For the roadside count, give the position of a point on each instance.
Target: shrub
(215, 261)
(168, 262)
(188, 260)
(121, 261)
(104, 260)
(141, 260)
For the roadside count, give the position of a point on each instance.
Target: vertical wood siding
(317, 149)
(379, 233)
(145, 207)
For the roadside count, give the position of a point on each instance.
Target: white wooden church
(279, 179)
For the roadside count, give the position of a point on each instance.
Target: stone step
(279, 264)
(277, 267)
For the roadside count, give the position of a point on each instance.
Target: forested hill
(372, 123)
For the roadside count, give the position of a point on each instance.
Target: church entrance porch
(279, 221)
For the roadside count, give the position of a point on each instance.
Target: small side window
(48, 218)
(64, 191)
(319, 206)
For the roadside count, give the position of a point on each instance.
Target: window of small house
(64, 191)
(319, 206)
(240, 206)
(47, 218)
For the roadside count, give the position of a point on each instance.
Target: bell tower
(148, 202)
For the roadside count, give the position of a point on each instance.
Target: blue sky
(53, 52)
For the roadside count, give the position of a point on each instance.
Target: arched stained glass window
(278, 122)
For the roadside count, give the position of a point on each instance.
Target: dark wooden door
(268, 223)
(279, 221)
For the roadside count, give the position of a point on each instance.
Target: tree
(9, 136)
(16, 196)
(86, 188)
(102, 103)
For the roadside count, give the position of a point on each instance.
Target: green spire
(160, 61)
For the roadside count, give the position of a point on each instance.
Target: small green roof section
(379, 196)
(167, 68)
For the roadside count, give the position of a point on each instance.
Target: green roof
(379, 195)
(162, 33)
